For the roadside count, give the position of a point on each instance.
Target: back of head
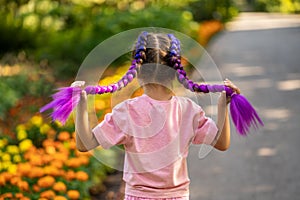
(155, 66)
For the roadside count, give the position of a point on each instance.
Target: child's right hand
(81, 85)
(78, 84)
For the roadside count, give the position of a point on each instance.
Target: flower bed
(42, 163)
(208, 29)
(39, 159)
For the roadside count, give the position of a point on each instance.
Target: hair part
(155, 67)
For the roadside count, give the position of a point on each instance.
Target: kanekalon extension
(67, 98)
(242, 112)
(243, 115)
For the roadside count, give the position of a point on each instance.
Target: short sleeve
(108, 133)
(205, 129)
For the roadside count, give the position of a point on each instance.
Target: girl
(156, 128)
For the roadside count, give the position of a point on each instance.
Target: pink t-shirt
(156, 136)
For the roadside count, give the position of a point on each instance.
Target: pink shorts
(128, 197)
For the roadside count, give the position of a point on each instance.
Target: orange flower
(47, 158)
(48, 142)
(51, 170)
(70, 175)
(23, 185)
(29, 152)
(24, 198)
(24, 169)
(48, 194)
(51, 133)
(84, 160)
(72, 144)
(36, 172)
(36, 188)
(36, 160)
(15, 180)
(2, 180)
(60, 156)
(7, 176)
(73, 135)
(60, 198)
(7, 195)
(57, 163)
(73, 194)
(19, 195)
(82, 176)
(64, 136)
(50, 150)
(46, 181)
(100, 104)
(73, 162)
(59, 187)
(62, 147)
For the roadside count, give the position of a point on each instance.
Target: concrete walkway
(261, 54)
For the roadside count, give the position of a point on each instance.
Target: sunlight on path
(262, 21)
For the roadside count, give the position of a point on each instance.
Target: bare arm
(223, 122)
(85, 139)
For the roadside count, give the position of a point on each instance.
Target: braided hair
(156, 59)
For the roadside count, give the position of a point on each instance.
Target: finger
(83, 95)
(232, 86)
(225, 97)
(78, 84)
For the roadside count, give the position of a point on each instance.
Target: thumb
(83, 95)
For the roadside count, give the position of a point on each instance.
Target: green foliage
(65, 31)
(8, 97)
(13, 88)
(223, 10)
(13, 35)
(284, 6)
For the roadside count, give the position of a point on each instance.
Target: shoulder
(188, 102)
(128, 103)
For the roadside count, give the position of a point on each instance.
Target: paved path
(261, 54)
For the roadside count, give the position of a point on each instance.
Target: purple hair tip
(243, 115)
(63, 103)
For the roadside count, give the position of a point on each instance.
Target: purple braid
(140, 49)
(243, 114)
(175, 62)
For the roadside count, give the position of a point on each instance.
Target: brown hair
(155, 66)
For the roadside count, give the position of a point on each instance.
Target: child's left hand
(237, 90)
(228, 83)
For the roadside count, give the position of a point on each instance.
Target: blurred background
(43, 43)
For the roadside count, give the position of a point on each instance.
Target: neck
(158, 92)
